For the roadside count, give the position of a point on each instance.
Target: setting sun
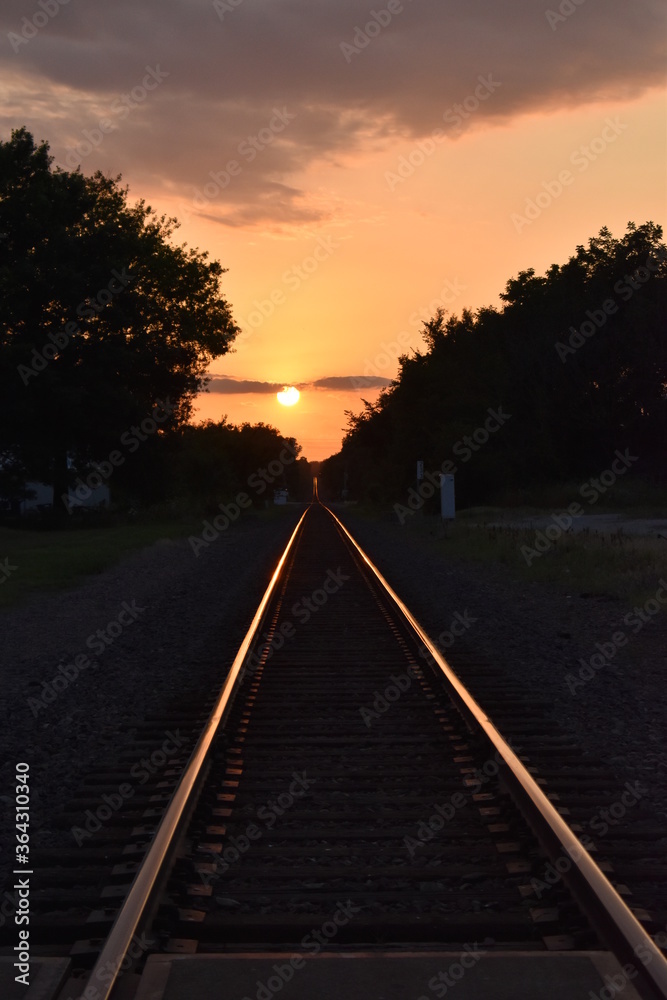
(289, 396)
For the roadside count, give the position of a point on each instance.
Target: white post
(447, 505)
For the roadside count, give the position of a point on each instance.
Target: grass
(48, 560)
(617, 565)
(628, 568)
(628, 496)
(623, 567)
(52, 560)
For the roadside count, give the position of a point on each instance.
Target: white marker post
(447, 505)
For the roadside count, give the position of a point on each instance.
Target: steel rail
(99, 984)
(625, 935)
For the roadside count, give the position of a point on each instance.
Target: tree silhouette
(577, 356)
(102, 317)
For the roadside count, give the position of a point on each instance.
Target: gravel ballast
(183, 618)
(544, 638)
(180, 619)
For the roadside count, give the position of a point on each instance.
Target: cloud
(352, 382)
(276, 86)
(231, 386)
(347, 383)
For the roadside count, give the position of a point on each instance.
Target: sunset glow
(351, 191)
(289, 396)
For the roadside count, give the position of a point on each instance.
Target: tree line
(107, 328)
(545, 389)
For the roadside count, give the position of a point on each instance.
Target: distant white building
(41, 497)
(280, 496)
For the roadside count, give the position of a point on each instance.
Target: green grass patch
(627, 567)
(630, 496)
(48, 560)
(52, 560)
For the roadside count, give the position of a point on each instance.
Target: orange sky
(352, 196)
(445, 234)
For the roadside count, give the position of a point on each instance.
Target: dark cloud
(353, 382)
(227, 385)
(268, 85)
(231, 386)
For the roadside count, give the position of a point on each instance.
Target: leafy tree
(199, 466)
(577, 356)
(101, 316)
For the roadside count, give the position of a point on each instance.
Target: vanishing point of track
(347, 781)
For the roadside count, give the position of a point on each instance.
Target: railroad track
(344, 794)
